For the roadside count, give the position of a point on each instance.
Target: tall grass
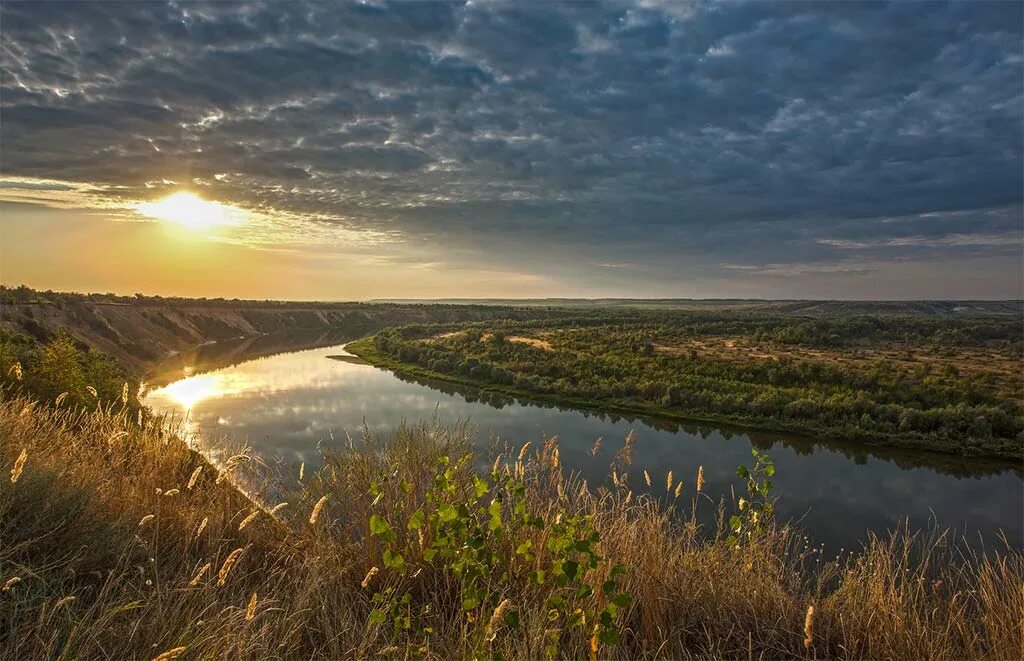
(118, 541)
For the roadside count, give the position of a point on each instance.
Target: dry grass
(98, 578)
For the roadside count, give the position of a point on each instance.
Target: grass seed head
(369, 576)
(225, 569)
(809, 627)
(170, 654)
(194, 478)
(199, 575)
(316, 510)
(249, 519)
(19, 465)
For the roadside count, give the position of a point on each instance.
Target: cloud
(677, 135)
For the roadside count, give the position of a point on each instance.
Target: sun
(191, 211)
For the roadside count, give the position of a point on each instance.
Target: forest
(943, 383)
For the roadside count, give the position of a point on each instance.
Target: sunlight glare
(191, 211)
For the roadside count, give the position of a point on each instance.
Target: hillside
(789, 307)
(139, 332)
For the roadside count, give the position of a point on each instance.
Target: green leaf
(622, 599)
(469, 603)
(571, 568)
(524, 547)
(480, 487)
(381, 528)
(377, 616)
(742, 472)
(447, 513)
(416, 520)
(584, 591)
(512, 619)
(769, 470)
(608, 588)
(393, 560)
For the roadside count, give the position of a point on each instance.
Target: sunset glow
(191, 211)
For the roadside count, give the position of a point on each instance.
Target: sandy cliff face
(140, 335)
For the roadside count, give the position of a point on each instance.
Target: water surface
(284, 404)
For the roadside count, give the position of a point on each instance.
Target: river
(283, 405)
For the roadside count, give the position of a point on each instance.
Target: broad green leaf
(416, 520)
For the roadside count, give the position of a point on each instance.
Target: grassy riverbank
(118, 541)
(366, 349)
(949, 386)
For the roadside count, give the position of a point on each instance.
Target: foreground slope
(117, 541)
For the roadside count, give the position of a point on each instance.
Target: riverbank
(366, 349)
(139, 332)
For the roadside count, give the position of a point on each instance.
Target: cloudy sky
(528, 149)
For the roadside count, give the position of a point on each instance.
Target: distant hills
(799, 307)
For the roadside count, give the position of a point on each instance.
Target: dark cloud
(746, 134)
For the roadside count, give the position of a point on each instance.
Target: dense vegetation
(117, 540)
(65, 369)
(950, 384)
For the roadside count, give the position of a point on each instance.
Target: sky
(514, 149)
